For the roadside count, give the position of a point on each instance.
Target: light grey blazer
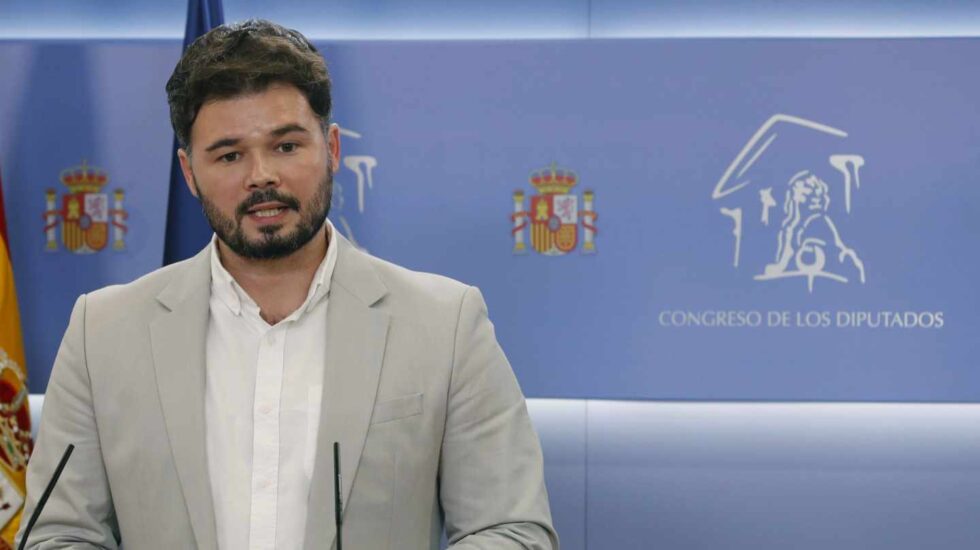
(432, 424)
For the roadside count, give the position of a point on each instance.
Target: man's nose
(262, 173)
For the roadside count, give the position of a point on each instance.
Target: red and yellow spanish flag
(15, 419)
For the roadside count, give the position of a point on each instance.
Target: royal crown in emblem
(554, 215)
(84, 212)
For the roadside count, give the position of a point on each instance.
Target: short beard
(272, 245)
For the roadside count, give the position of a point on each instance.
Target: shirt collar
(224, 286)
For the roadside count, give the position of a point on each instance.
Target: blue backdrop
(810, 164)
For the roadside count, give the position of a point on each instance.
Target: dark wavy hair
(244, 58)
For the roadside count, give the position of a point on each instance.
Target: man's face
(263, 170)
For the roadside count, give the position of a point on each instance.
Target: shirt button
(265, 409)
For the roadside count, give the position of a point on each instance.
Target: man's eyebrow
(226, 142)
(288, 128)
(278, 132)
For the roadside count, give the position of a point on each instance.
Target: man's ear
(185, 167)
(333, 146)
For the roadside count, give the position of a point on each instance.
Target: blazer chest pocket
(397, 408)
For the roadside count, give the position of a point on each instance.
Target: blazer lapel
(355, 340)
(178, 338)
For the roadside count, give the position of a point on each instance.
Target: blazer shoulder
(418, 289)
(138, 294)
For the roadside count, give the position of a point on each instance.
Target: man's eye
(229, 157)
(287, 147)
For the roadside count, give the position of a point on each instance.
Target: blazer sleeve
(79, 513)
(491, 483)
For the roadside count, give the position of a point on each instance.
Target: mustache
(266, 195)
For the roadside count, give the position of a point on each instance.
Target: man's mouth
(268, 213)
(267, 210)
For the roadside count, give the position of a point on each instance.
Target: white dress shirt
(262, 410)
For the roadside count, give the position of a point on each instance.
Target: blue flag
(187, 230)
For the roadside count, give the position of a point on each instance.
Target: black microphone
(47, 493)
(338, 503)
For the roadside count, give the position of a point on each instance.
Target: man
(203, 399)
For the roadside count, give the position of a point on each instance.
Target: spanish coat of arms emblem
(85, 213)
(554, 215)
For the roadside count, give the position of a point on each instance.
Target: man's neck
(278, 286)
